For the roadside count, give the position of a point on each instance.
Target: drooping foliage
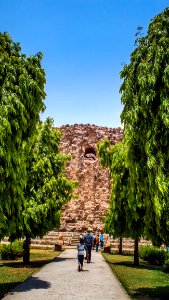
(125, 217)
(47, 186)
(145, 96)
(125, 214)
(22, 81)
(33, 186)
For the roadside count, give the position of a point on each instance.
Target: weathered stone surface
(93, 192)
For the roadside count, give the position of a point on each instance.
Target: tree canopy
(33, 185)
(22, 81)
(125, 217)
(125, 214)
(145, 96)
(47, 187)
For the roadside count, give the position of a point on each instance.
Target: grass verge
(14, 271)
(140, 282)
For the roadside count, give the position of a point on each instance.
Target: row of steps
(127, 244)
(75, 239)
(53, 237)
(71, 239)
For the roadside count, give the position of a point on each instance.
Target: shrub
(166, 265)
(12, 250)
(153, 255)
(0, 248)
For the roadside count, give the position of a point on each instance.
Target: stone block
(107, 249)
(58, 247)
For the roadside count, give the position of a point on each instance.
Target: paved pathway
(60, 280)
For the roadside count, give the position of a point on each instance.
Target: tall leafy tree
(125, 214)
(22, 81)
(145, 96)
(47, 187)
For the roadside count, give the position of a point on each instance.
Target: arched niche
(90, 153)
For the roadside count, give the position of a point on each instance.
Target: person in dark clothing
(88, 240)
(97, 242)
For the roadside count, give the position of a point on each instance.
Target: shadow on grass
(130, 264)
(33, 264)
(5, 287)
(160, 293)
(155, 292)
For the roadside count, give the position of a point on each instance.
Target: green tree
(125, 214)
(22, 81)
(145, 96)
(47, 187)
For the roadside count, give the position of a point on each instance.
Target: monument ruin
(88, 210)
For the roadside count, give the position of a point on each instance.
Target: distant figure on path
(94, 241)
(101, 240)
(81, 236)
(88, 240)
(80, 254)
(97, 242)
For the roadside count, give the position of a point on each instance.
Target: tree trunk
(26, 250)
(120, 246)
(136, 254)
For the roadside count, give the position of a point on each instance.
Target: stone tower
(93, 191)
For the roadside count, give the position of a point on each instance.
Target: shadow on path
(59, 259)
(32, 283)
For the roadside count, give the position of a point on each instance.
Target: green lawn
(14, 272)
(141, 281)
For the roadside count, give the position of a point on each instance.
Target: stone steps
(71, 239)
(127, 245)
(53, 237)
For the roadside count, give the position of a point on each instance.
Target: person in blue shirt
(101, 240)
(88, 240)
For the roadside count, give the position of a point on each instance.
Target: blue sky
(84, 43)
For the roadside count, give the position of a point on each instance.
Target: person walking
(81, 236)
(97, 242)
(94, 241)
(88, 240)
(80, 254)
(101, 240)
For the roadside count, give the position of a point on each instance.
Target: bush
(153, 255)
(0, 248)
(166, 265)
(12, 250)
